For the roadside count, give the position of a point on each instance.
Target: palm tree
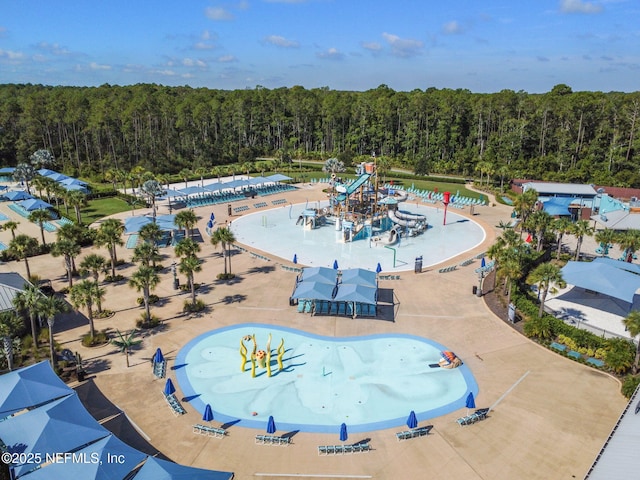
(580, 229)
(22, 247)
(125, 343)
(11, 225)
(606, 238)
(40, 216)
(544, 275)
(510, 268)
(629, 242)
(24, 173)
(77, 199)
(29, 301)
(632, 324)
(84, 294)
(184, 174)
(561, 226)
(524, 203)
(76, 233)
(10, 326)
(201, 172)
(93, 264)
(224, 237)
(110, 235)
(52, 306)
(69, 250)
(146, 254)
(114, 176)
(189, 263)
(145, 279)
(186, 219)
(151, 233)
(539, 221)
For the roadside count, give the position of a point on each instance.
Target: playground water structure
(369, 383)
(279, 232)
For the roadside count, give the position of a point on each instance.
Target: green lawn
(100, 208)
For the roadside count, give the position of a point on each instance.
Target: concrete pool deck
(552, 425)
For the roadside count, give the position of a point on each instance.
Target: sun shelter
(361, 298)
(193, 190)
(319, 274)
(559, 206)
(60, 426)
(278, 177)
(7, 171)
(134, 224)
(314, 291)
(33, 204)
(28, 387)
(16, 195)
(154, 469)
(58, 177)
(359, 276)
(602, 277)
(102, 465)
(259, 181)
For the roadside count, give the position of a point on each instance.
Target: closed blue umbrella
(271, 425)
(295, 258)
(471, 402)
(483, 263)
(209, 224)
(378, 268)
(213, 217)
(412, 421)
(158, 357)
(169, 389)
(208, 413)
(343, 432)
(335, 264)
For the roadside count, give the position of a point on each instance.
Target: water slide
(410, 220)
(387, 239)
(361, 180)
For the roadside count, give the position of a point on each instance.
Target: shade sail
(28, 387)
(57, 427)
(559, 206)
(134, 224)
(629, 267)
(259, 180)
(359, 276)
(96, 462)
(58, 177)
(602, 278)
(156, 469)
(193, 190)
(278, 177)
(7, 170)
(16, 195)
(356, 293)
(319, 274)
(33, 204)
(72, 181)
(314, 291)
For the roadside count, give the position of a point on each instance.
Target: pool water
(369, 383)
(275, 231)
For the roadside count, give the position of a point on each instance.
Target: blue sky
(484, 46)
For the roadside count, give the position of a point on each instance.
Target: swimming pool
(275, 231)
(369, 383)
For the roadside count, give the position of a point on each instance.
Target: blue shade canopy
(156, 469)
(343, 432)
(259, 181)
(603, 278)
(271, 425)
(213, 187)
(193, 190)
(278, 177)
(33, 204)
(319, 274)
(134, 224)
(28, 387)
(169, 388)
(77, 186)
(470, 402)
(16, 195)
(314, 290)
(72, 181)
(207, 416)
(559, 206)
(58, 177)
(412, 421)
(59, 426)
(171, 193)
(99, 465)
(356, 293)
(7, 170)
(360, 276)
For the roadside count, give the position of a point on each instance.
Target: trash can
(229, 209)
(474, 290)
(418, 265)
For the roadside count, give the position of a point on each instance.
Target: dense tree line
(560, 135)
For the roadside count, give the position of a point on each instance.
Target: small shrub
(226, 276)
(144, 322)
(100, 338)
(112, 279)
(43, 336)
(27, 342)
(153, 299)
(104, 314)
(629, 385)
(190, 307)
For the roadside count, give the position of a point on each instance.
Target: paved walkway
(552, 425)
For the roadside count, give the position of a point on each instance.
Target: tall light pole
(176, 283)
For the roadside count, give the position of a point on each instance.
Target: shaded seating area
(413, 433)
(344, 449)
(325, 291)
(272, 440)
(209, 431)
(476, 416)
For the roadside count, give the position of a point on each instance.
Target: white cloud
(3, 32)
(452, 28)
(218, 13)
(11, 55)
(97, 66)
(578, 6)
(279, 41)
(226, 59)
(330, 54)
(52, 48)
(193, 62)
(371, 46)
(403, 47)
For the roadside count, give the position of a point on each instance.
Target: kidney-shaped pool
(369, 383)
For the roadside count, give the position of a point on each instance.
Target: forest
(561, 135)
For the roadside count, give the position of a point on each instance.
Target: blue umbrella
(271, 425)
(213, 217)
(343, 432)
(378, 268)
(295, 258)
(483, 263)
(471, 402)
(335, 264)
(209, 224)
(208, 414)
(169, 389)
(412, 421)
(158, 357)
